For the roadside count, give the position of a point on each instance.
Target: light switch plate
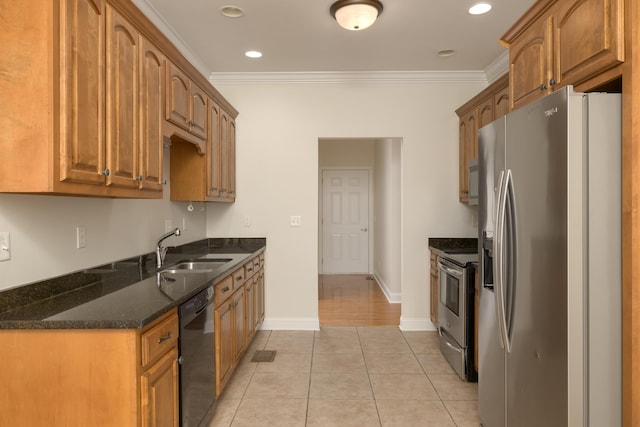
(5, 246)
(81, 237)
(295, 221)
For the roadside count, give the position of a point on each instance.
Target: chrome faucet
(161, 251)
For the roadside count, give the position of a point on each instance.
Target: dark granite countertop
(442, 245)
(124, 294)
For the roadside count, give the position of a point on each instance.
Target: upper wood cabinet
(98, 70)
(482, 109)
(186, 103)
(85, 139)
(208, 177)
(563, 42)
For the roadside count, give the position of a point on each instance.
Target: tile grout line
(366, 366)
(429, 379)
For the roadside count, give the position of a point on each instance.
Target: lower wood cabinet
(159, 392)
(238, 313)
(90, 377)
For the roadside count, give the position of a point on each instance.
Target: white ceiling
(301, 35)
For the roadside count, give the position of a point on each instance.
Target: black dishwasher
(197, 358)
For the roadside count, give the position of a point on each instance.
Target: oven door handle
(451, 271)
(446, 341)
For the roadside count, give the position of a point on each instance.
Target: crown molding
(152, 14)
(349, 77)
(498, 68)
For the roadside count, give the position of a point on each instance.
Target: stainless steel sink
(199, 266)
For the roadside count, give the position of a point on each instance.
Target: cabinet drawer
(239, 276)
(159, 339)
(223, 290)
(252, 267)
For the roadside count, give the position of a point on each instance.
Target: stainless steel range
(456, 310)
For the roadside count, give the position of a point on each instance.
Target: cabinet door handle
(543, 87)
(239, 278)
(166, 337)
(553, 82)
(106, 172)
(225, 289)
(139, 178)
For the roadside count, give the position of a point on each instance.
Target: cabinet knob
(106, 172)
(225, 289)
(543, 87)
(364, 229)
(139, 178)
(553, 82)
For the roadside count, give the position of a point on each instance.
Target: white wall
(277, 176)
(43, 231)
(386, 223)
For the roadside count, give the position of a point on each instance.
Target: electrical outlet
(474, 220)
(81, 237)
(168, 225)
(184, 223)
(246, 221)
(295, 221)
(5, 246)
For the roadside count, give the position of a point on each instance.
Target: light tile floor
(346, 376)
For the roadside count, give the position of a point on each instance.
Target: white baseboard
(393, 298)
(292, 324)
(416, 324)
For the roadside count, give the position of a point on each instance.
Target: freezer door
(491, 356)
(535, 256)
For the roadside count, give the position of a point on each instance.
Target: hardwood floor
(354, 300)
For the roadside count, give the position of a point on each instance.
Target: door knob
(364, 229)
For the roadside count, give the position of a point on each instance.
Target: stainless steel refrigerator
(549, 219)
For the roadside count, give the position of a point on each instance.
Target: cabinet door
(122, 101)
(501, 103)
(250, 296)
(198, 112)
(152, 64)
(231, 146)
(530, 63)
(224, 343)
(159, 392)
(486, 115)
(468, 140)
(589, 38)
(260, 299)
(214, 154)
(239, 324)
(433, 296)
(82, 89)
(178, 98)
(224, 154)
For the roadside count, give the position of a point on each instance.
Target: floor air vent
(264, 356)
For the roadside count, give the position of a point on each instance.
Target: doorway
(381, 159)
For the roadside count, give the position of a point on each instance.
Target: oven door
(452, 304)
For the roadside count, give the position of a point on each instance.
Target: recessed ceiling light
(446, 52)
(231, 11)
(253, 54)
(480, 8)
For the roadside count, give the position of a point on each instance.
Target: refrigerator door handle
(508, 282)
(498, 257)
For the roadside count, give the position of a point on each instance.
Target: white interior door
(345, 221)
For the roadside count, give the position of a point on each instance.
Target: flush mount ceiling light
(480, 8)
(231, 11)
(446, 52)
(356, 14)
